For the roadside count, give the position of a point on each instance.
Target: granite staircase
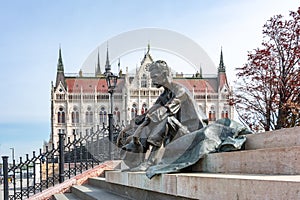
(268, 168)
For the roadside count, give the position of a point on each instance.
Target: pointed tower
(147, 57)
(148, 50)
(222, 79)
(107, 64)
(201, 76)
(60, 76)
(119, 68)
(221, 64)
(98, 69)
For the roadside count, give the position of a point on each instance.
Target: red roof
(88, 85)
(199, 85)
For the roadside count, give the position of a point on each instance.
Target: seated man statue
(174, 114)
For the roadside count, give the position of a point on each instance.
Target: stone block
(273, 139)
(218, 186)
(117, 177)
(222, 186)
(162, 184)
(262, 161)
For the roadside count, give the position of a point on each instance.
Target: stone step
(211, 186)
(226, 186)
(273, 139)
(65, 196)
(131, 192)
(88, 192)
(269, 161)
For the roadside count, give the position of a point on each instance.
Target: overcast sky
(32, 30)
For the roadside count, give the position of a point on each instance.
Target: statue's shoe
(135, 147)
(142, 167)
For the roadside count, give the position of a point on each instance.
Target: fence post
(110, 135)
(61, 144)
(5, 176)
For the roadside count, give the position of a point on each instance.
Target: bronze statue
(174, 114)
(176, 122)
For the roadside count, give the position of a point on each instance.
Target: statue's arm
(174, 104)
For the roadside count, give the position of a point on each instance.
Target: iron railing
(52, 166)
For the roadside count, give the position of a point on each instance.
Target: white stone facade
(79, 103)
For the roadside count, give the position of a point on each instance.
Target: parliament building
(79, 102)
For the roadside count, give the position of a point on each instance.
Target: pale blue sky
(31, 31)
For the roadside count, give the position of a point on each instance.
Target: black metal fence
(27, 177)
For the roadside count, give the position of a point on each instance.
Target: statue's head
(160, 73)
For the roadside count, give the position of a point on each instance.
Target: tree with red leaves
(267, 90)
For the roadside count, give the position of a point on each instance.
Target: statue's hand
(159, 114)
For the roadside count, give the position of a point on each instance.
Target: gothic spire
(147, 55)
(221, 64)
(60, 65)
(201, 72)
(107, 65)
(148, 50)
(60, 76)
(98, 69)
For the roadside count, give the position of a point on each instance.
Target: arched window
(103, 116)
(117, 115)
(225, 113)
(144, 81)
(89, 116)
(133, 111)
(61, 116)
(144, 108)
(75, 115)
(212, 114)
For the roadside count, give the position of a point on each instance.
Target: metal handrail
(54, 165)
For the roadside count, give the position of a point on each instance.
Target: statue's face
(158, 77)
